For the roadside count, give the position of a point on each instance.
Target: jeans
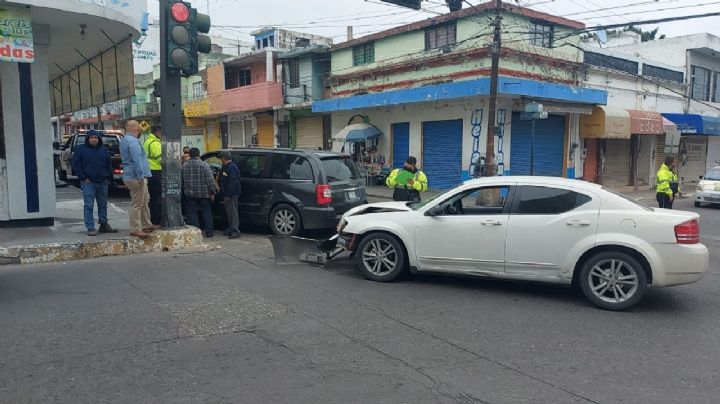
(202, 204)
(233, 219)
(92, 192)
(155, 190)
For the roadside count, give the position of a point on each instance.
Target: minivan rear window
(340, 169)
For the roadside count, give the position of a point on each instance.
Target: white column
(269, 70)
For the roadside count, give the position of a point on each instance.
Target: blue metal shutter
(442, 153)
(401, 143)
(549, 146)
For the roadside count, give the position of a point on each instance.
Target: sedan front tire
(381, 257)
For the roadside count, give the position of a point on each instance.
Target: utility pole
(492, 108)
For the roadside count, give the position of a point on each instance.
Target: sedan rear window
(549, 201)
(338, 169)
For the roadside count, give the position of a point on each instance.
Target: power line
(660, 9)
(640, 76)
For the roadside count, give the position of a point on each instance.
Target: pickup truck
(66, 151)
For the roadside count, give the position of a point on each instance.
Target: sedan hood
(381, 207)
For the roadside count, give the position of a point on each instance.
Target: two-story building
(305, 70)
(625, 142)
(246, 95)
(426, 85)
(699, 118)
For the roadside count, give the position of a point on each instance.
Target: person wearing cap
(93, 165)
(407, 182)
(229, 179)
(153, 150)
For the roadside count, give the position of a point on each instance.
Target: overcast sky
(237, 18)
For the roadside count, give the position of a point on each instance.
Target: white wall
(416, 114)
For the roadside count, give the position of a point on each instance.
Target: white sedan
(538, 229)
(708, 189)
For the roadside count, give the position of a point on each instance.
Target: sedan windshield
(713, 174)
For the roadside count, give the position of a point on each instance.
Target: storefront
(699, 146)
(619, 146)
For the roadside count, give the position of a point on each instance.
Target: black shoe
(105, 228)
(235, 235)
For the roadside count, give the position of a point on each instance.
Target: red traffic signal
(180, 12)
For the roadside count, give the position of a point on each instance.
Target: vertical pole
(171, 116)
(492, 108)
(532, 148)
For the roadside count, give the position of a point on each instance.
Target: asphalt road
(231, 327)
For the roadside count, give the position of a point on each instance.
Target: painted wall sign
(16, 37)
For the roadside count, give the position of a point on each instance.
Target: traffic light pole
(171, 121)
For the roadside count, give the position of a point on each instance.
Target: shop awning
(616, 123)
(693, 124)
(358, 132)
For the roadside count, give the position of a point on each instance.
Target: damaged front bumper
(298, 250)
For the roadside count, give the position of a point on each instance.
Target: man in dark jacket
(93, 166)
(229, 179)
(199, 189)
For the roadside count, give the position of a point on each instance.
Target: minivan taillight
(688, 232)
(324, 194)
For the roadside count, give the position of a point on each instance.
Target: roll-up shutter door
(549, 146)
(442, 153)
(265, 131)
(309, 133)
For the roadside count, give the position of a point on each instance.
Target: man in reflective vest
(407, 182)
(667, 186)
(153, 150)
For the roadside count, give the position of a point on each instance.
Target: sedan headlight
(701, 187)
(341, 225)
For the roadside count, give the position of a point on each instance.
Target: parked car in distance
(110, 139)
(538, 229)
(708, 189)
(293, 190)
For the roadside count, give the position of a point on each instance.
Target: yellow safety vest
(153, 150)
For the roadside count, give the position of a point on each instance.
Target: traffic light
(414, 4)
(183, 40)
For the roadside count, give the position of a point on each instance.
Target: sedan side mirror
(435, 211)
(701, 177)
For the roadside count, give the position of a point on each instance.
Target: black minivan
(291, 189)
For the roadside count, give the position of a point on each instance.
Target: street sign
(145, 126)
(530, 116)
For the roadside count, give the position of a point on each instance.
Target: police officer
(407, 182)
(667, 186)
(153, 150)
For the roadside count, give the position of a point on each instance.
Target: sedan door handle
(578, 223)
(491, 223)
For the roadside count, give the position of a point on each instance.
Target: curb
(163, 240)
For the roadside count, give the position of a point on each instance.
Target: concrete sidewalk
(67, 239)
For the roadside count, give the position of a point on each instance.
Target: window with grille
(235, 78)
(364, 54)
(610, 62)
(441, 36)
(700, 84)
(542, 35)
(661, 73)
(294, 73)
